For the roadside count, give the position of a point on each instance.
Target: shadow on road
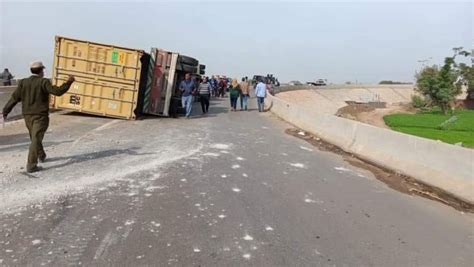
(14, 139)
(94, 156)
(25, 144)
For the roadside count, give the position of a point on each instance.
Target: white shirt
(261, 90)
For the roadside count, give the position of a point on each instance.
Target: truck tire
(188, 60)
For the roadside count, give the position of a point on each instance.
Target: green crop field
(427, 125)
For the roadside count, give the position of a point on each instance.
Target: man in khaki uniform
(34, 92)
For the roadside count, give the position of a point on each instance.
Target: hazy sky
(345, 41)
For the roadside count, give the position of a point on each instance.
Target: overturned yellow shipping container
(108, 78)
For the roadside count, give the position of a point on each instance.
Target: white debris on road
(221, 146)
(247, 237)
(342, 169)
(155, 224)
(298, 165)
(268, 228)
(129, 222)
(306, 148)
(210, 154)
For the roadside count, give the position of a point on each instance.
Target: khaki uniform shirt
(34, 92)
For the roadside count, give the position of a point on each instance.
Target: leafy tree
(441, 85)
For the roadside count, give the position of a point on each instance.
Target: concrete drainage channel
(396, 181)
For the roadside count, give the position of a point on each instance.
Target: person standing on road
(270, 86)
(187, 88)
(261, 93)
(234, 93)
(7, 77)
(213, 83)
(222, 87)
(244, 97)
(34, 93)
(204, 91)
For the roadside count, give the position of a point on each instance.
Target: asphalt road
(226, 189)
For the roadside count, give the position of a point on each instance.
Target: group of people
(206, 88)
(34, 93)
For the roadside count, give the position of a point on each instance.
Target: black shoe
(42, 159)
(34, 169)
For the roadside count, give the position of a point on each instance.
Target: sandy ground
(330, 100)
(333, 101)
(371, 115)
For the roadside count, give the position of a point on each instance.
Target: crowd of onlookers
(205, 88)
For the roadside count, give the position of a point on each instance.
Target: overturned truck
(119, 82)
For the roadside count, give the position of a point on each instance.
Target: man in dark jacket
(34, 93)
(7, 77)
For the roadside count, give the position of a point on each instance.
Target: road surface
(226, 189)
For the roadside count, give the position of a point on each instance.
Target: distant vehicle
(319, 82)
(295, 83)
(269, 77)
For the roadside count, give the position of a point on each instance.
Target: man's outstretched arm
(58, 90)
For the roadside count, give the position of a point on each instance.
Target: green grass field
(426, 124)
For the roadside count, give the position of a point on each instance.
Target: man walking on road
(188, 88)
(7, 77)
(204, 91)
(34, 93)
(261, 93)
(244, 97)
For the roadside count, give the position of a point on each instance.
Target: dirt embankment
(371, 113)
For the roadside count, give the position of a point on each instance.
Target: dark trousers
(261, 104)
(221, 92)
(233, 102)
(7, 83)
(204, 103)
(37, 126)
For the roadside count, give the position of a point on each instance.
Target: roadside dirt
(396, 181)
(372, 115)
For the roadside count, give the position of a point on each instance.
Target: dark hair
(36, 70)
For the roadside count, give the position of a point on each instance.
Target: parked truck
(116, 81)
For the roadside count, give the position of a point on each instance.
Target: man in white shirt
(261, 93)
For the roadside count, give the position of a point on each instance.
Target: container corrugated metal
(107, 77)
(160, 84)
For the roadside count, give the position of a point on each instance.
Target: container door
(171, 80)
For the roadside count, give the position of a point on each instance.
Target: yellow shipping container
(107, 77)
